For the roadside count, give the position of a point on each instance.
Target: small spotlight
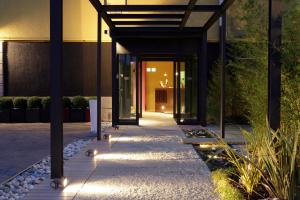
(91, 153)
(59, 183)
(182, 120)
(106, 136)
(163, 108)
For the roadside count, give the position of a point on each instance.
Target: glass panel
(188, 90)
(127, 87)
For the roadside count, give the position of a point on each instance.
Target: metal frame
(147, 31)
(222, 72)
(274, 62)
(56, 55)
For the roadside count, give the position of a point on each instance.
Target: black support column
(203, 84)
(222, 72)
(115, 99)
(274, 70)
(56, 49)
(99, 60)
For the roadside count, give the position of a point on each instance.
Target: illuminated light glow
(182, 120)
(132, 139)
(176, 73)
(65, 182)
(148, 69)
(153, 69)
(94, 188)
(137, 156)
(163, 108)
(165, 74)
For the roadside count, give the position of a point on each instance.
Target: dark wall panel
(28, 64)
(28, 69)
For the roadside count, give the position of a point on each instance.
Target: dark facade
(27, 65)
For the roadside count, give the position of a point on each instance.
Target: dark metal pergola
(166, 21)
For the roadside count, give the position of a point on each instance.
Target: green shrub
(80, 102)
(34, 102)
(20, 103)
(46, 102)
(6, 103)
(225, 190)
(67, 102)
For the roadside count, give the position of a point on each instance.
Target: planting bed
(216, 159)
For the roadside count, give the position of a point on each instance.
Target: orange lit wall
(153, 80)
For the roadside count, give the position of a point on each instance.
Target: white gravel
(19, 186)
(139, 163)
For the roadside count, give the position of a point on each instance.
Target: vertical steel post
(56, 51)
(99, 60)
(202, 80)
(274, 62)
(115, 98)
(222, 72)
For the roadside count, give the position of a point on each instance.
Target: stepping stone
(212, 141)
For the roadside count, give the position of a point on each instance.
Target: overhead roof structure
(177, 16)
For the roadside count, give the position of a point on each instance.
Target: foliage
(67, 103)
(20, 103)
(269, 159)
(6, 103)
(46, 102)
(80, 102)
(34, 102)
(223, 187)
(270, 154)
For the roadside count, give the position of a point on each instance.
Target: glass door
(187, 83)
(128, 90)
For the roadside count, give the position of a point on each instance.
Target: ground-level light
(91, 152)
(59, 183)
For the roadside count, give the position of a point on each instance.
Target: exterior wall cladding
(27, 68)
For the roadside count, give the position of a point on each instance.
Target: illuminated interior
(158, 75)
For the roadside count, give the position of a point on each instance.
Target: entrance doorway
(157, 85)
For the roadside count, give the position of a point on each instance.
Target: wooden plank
(211, 141)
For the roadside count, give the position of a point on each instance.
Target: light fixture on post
(59, 183)
(91, 152)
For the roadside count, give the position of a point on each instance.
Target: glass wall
(127, 87)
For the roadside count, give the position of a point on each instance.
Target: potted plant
(45, 111)
(79, 105)
(6, 104)
(34, 105)
(67, 106)
(19, 110)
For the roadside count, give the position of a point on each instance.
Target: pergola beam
(146, 22)
(146, 16)
(224, 6)
(156, 32)
(99, 7)
(188, 12)
(166, 8)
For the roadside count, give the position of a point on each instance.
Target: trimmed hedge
(34, 102)
(46, 102)
(20, 103)
(80, 102)
(67, 103)
(6, 103)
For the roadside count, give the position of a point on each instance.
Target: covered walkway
(145, 162)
